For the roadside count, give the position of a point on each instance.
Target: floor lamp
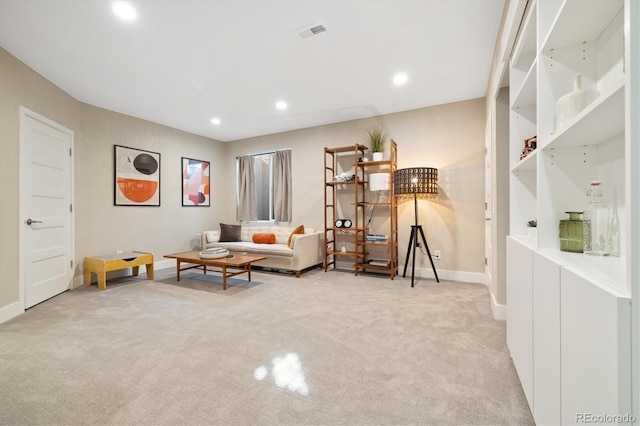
(416, 181)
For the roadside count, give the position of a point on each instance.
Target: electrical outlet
(436, 254)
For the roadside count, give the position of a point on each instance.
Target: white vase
(378, 156)
(571, 104)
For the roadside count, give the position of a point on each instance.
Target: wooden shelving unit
(351, 200)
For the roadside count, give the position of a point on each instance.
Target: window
(263, 175)
(264, 186)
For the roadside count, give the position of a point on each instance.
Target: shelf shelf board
(346, 182)
(350, 148)
(526, 44)
(606, 272)
(346, 253)
(576, 23)
(527, 163)
(526, 96)
(599, 122)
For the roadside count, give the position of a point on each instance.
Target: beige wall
(449, 137)
(100, 227)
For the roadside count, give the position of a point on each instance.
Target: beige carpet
(324, 349)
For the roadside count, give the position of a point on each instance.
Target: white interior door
(46, 237)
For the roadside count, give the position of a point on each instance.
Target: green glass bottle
(571, 233)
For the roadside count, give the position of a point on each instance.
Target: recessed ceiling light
(215, 121)
(400, 79)
(281, 105)
(124, 10)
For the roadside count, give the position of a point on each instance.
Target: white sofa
(303, 252)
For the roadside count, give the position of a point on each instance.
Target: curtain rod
(263, 153)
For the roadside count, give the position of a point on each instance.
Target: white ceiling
(181, 63)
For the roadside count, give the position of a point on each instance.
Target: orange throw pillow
(264, 238)
(297, 230)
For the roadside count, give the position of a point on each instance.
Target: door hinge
(70, 152)
(485, 261)
(71, 208)
(71, 264)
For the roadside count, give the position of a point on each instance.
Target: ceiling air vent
(308, 32)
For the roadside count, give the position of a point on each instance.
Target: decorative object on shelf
(416, 181)
(213, 253)
(343, 223)
(195, 183)
(345, 177)
(529, 146)
(137, 177)
(571, 233)
(377, 142)
(597, 237)
(532, 228)
(571, 104)
(379, 182)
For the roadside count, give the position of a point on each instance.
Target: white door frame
(24, 113)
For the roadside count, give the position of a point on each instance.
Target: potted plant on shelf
(532, 228)
(377, 141)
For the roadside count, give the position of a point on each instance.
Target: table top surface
(237, 259)
(127, 255)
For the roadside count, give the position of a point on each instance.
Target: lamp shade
(416, 181)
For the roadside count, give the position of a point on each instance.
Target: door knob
(29, 221)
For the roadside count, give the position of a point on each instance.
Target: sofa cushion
(297, 230)
(264, 238)
(229, 233)
(212, 236)
(282, 233)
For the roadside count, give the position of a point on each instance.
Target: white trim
(499, 311)
(460, 276)
(11, 311)
(164, 264)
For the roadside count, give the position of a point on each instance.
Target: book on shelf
(377, 237)
(378, 262)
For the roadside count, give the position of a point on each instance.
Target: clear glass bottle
(597, 235)
(615, 226)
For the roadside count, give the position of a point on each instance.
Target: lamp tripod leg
(406, 260)
(424, 240)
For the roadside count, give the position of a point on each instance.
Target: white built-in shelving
(558, 40)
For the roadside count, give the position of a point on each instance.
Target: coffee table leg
(248, 268)
(224, 277)
(178, 271)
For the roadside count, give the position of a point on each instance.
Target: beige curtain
(282, 210)
(247, 205)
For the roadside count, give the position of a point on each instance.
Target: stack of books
(379, 262)
(376, 238)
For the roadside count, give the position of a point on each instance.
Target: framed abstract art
(195, 183)
(137, 177)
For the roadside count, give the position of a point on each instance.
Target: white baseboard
(499, 311)
(443, 274)
(10, 311)
(164, 264)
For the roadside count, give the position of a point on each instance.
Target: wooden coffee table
(242, 261)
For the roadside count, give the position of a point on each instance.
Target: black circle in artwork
(145, 164)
